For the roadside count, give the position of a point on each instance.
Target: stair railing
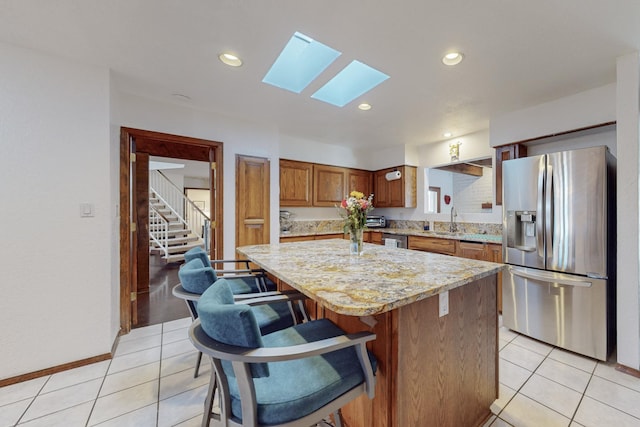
(159, 229)
(187, 212)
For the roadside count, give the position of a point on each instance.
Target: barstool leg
(195, 374)
(208, 403)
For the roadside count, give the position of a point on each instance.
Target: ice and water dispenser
(521, 230)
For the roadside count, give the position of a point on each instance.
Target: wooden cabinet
(296, 183)
(284, 239)
(463, 249)
(359, 180)
(472, 250)
(375, 237)
(494, 254)
(329, 185)
(399, 193)
(311, 184)
(432, 244)
(506, 152)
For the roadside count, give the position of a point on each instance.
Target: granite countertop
(382, 279)
(474, 237)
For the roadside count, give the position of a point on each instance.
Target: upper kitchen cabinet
(329, 185)
(395, 193)
(359, 180)
(506, 152)
(296, 180)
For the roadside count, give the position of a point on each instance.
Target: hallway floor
(159, 305)
(149, 383)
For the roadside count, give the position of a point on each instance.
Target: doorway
(137, 145)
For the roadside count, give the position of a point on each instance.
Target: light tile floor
(149, 382)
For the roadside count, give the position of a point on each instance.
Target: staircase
(168, 235)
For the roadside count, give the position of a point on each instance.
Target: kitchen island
(432, 370)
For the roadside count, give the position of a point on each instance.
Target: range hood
(469, 167)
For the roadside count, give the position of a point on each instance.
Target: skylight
(354, 80)
(299, 63)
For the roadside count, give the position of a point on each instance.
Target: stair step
(179, 256)
(179, 240)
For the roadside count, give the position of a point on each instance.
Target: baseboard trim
(54, 369)
(628, 370)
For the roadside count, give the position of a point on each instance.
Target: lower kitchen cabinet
(432, 244)
(463, 249)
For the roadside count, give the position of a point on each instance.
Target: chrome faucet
(453, 227)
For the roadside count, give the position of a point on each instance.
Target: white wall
(628, 297)
(619, 102)
(55, 267)
(238, 137)
(473, 146)
(583, 109)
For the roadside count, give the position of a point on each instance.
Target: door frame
(165, 145)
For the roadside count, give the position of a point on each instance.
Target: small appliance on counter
(285, 221)
(376, 221)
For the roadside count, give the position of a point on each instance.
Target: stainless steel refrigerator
(559, 242)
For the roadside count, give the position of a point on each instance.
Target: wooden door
(252, 200)
(141, 216)
(135, 143)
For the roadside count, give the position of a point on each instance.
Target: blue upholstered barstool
(196, 278)
(293, 377)
(242, 281)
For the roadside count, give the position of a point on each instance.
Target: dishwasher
(394, 240)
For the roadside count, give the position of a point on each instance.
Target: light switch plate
(87, 210)
(443, 303)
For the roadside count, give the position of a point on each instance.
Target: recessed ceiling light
(452, 58)
(230, 59)
(447, 134)
(364, 106)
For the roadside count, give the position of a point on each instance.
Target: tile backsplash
(335, 226)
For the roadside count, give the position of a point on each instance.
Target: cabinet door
(472, 250)
(375, 237)
(432, 244)
(506, 152)
(381, 189)
(396, 191)
(329, 185)
(295, 183)
(359, 180)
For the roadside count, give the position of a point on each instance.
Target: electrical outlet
(443, 300)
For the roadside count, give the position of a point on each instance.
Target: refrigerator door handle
(549, 212)
(549, 277)
(540, 210)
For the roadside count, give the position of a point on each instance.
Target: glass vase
(355, 242)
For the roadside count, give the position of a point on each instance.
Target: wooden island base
(432, 371)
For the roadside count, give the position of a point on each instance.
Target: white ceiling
(518, 53)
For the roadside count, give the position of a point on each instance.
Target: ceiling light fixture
(230, 59)
(452, 58)
(447, 134)
(364, 106)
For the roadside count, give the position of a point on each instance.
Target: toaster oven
(376, 221)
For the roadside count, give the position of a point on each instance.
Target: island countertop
(380, 280)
